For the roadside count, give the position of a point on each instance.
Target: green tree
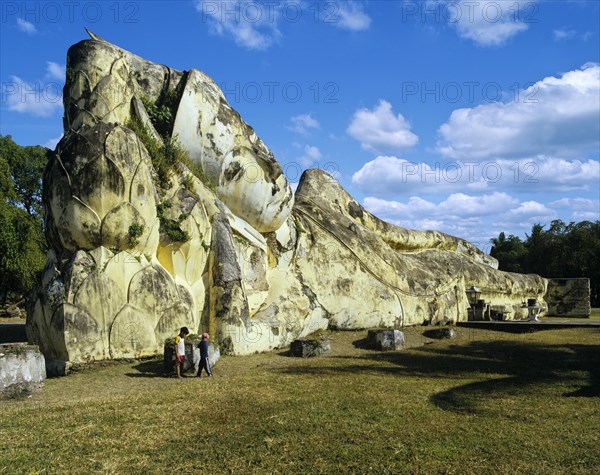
(510, 252)
(562, 250)
(26, 165)
(22, 242)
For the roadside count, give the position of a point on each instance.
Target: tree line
(561, 250)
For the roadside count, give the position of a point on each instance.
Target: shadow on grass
(362, 344)
(150, 369)
(505, 369)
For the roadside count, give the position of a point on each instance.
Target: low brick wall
(568, 298)
(22, 370)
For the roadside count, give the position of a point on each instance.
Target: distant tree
(538, 247)
(562, 250)
(26, 165)
(510, 252)
(22, 242)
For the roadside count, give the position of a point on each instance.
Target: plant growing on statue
(171, 227)
(135, 231)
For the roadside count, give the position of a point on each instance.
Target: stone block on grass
(22, 370)
(386, 339)
(305, 348)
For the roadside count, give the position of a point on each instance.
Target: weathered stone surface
(252, 264)
(568, 298)
(249, 179)
(22, 370)
(369, 283)
(307, 347)
(386, 339)
(96, 188)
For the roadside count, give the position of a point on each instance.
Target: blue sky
(468, 117)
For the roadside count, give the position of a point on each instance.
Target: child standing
(180, 350)
(204, 362)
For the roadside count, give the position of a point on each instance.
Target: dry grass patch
(484, 403)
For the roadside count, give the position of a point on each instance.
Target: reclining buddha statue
(165, 209)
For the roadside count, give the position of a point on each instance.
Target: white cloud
(350, 15)
(41, 99)
(577, 204)
(581, 209)
(587, 35)
(459, 215)
(476, 218)
(388, 176)
(545, 173)
(379, 130)
(555, 116)
(55, 71)
(563, 34)
(254, 24)
(251, 24)
(51, 143)
(532, 211)
(455, 206)
(311, 155)
(487, 23)
(303, 123)
(26, 27)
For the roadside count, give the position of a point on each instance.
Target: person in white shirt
(180, 350)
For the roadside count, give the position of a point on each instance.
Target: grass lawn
(483, 403)
(594, 317)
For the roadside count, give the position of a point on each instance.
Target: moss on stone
(135, 232)
(171, 227)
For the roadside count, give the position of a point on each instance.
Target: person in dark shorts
(204, 362)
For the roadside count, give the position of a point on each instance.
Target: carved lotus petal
(116, 225)
(131, 334)
(83, 336)
(152, 289)
(172, 319)
(123, 147)
(101, 186)
(80, 86)
(77, 224)
(123, 266)
(101, 297)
